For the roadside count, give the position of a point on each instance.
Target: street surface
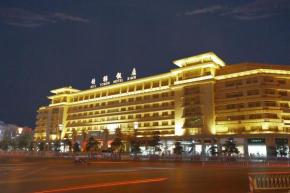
(45, 175)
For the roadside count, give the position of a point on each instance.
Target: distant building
(5, 126)
(203, 100)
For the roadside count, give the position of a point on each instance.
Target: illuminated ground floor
(259, 145)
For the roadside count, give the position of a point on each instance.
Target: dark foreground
(60, 175)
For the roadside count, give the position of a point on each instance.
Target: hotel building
(203, 100)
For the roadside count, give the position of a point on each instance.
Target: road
(44, 175)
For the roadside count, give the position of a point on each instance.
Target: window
(254, 104)
(138, 107)
(256, 128)
(131, 99)
(155, 96)
(235, 106)
(236, 94)
(146, 106)
(192, 100)
(286, 117)
(233, 83)
(284, 105)
(138, 116)
(234, 118)
(147, 97)
(155, 105)
(130, 116)
(281, 81)
(269, 91)
(165, 94)
(270, 103)
(138, 98)
(192, 90)
(283, 93)
(146, 115)
(268, 79)
(130, 108)
(155, 123)
(146, 124)
(164, 104)
(165, 113)
(252, 92)
(271, 116)
(164, 122)
(155, 114)
(255, 116)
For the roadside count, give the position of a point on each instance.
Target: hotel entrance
(257, 147)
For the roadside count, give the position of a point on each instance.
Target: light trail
(268, 173)
(103, 185)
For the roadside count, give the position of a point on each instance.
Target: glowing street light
(136, 128)
(60, 128)
(135, 125)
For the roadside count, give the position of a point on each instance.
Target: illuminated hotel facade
(203, 100)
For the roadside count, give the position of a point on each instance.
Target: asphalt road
(60, 175)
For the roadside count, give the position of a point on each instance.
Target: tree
(178, 148)
(117, 145)
(230, 148)
(6, 141)
(31, 146)
(135, 148)
(25, 139)
(281, 149)
(92, 144)
(155, 142)
(22, 142)
(76, 147)
(213, 150)
(41, 146)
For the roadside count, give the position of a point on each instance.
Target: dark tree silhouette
(230, 148)
(178, 148)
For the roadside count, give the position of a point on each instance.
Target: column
(246, 151)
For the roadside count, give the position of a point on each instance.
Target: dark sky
(46, 45)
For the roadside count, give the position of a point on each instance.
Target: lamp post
(18, 136)
(135, 129)
(60, 127)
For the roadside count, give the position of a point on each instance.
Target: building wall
(202, 99)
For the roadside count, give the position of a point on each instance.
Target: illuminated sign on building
(281, 141)
(256, 140)
(93, 83)
(119, 78)
(133, 75)
(105, 81)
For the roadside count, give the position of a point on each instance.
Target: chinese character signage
(105, 81)
(118, 79)
(133, 75)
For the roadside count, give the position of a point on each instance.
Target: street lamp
(18, 136)
(60, 127)
(136, 128)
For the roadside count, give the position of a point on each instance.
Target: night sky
(46, 45)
